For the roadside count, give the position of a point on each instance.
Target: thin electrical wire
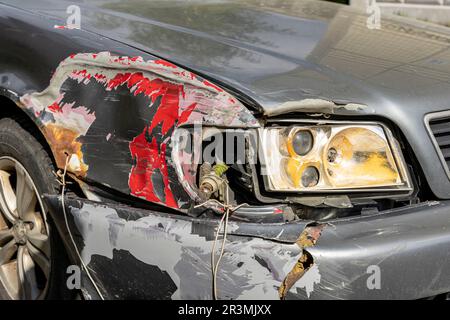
(63, 190)
(228, 210)
(213, 263)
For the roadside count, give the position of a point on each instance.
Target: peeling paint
(72, 112)
(308, 238)
(261, 259)
(180, 248)
(171, 245)
(309, 280)
(316, 106)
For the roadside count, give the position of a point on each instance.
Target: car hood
(283, 51)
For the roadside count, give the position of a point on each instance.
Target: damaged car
(275, 149)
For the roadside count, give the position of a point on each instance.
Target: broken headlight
(332, 157)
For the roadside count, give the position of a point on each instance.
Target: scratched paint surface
(115, 116)
(251, 268)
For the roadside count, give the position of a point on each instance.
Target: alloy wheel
(24, 237)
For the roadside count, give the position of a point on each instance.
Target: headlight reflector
(331, 157)
(301, 142)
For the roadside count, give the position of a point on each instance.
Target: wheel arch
(9, 108)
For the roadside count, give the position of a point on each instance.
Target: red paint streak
(186, 113)
(148, 159)
(151, 88)
(148, 155)
(64, 27)
(55, 107)
(134, 79)
(192, 75)
(118, 80)
(99, 76)
(121, 60)
(209, 84)
(165, 63)
(168, 112)
(82, 73)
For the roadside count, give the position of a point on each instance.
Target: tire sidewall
(17, 143)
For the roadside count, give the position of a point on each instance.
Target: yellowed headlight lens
(330, 157)
(302, 175)
(358, 157)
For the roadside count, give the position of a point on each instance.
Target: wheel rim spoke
(7, 252)
(5, 236)
(8, 200)
(26, 196)
(3, 221)
(10, 279)
(8, 269)
(40, 241)
(27, 275)
(39, 257)
(25, 252)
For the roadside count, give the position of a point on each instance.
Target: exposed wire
(63, 190)
(214, 265)
(224, 206)
(223, 222)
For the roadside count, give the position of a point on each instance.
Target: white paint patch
(313, 105)
(309, 279)
(163, 241)
(74, 163)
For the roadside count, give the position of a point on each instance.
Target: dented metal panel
(114, 117)
(297, 260)
(318, 106)
(174, 252)
(406, 248)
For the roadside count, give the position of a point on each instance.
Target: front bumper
(142, 254)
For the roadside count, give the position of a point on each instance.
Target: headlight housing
(332, 157)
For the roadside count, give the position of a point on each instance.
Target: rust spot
(308, 238)
(64, 142)
(303, 264)
(310, 235)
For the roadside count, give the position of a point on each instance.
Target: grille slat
(443, 141)
(440, 128)
(446, 153)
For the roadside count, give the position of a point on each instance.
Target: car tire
(25, 166)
